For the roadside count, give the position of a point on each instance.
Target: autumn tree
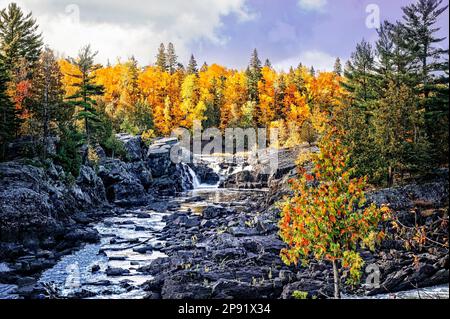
(192, 107)
(211, 89)
(328, 217)
(8, 117)
(267, 97)
(20, 47)
(248, 115)
(235, 96)
(46, 100)
(87, 91)
(154, 84)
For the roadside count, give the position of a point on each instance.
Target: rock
(26, 281)
(229, 254)
(206, 175)
(314, 288)
(121, 185)
(38, 203)
(95, 268)
(132, 145)
(91, 185)
(185, 285)
(243, 231)
(188, 222)
(212, 212)
(144, 249)
(240, 290)
(206, 224)
(82, 235)
(116, 272)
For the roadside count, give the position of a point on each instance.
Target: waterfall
(190, 179)
(194, 178)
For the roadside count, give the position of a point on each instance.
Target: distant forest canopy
(390, 98)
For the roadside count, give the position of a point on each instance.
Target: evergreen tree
(8, 123)
(84, 98)
(420, 25)
(254, 75)
(46, 98)
(192, 66)
(338, 67)
(359, 74)
(68, 151)
(171, 59)
(212, 113)
(399, 135)
(161, 58)
(312, 71)
(19, 37)
(431, 64)
(268, 64)
(394, 62)
(355, 120)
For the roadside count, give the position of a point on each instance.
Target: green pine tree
(19, 37)
(192, 66)
(84, 98)
(171, 59)
(431, 64)
(356, 119)
(254, 75)
(338, 67)
(161, 59)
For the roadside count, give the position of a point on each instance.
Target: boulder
(121, 185)
(132, 145)
(206, 175)
(313, 287)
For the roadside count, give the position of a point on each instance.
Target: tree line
(390, 97)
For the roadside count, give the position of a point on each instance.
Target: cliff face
(38, 201)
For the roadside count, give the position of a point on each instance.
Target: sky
(313, 32)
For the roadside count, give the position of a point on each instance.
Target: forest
(379, 120)
(390, 98)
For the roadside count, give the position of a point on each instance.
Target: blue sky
(216, 31)
(285, 32)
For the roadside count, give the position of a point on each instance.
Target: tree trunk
(337, 290)
(390, 177)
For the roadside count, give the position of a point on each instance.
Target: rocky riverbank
(233, 252)
(45, 214)
(207, 243)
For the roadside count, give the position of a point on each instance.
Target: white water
(195, 181)
(196, 184)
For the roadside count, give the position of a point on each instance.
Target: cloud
(321, 61)
(118, 28)
(282, 32)
(312, 5)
